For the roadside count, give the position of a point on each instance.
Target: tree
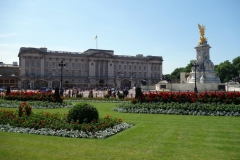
(188, 68)
(236, 63)
(176, 73)
(226, 71)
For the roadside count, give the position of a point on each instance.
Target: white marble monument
(204, 66)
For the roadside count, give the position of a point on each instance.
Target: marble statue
(208, 65)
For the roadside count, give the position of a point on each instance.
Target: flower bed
(36, 104)
(31, 96)
(191, 97)
(98, 99)
(207, 109)
(44, 123)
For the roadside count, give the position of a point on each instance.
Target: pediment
(155, 59)
(101, 55)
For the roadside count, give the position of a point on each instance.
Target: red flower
(107, 116)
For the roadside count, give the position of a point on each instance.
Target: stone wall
(233, 86)
(190, 87)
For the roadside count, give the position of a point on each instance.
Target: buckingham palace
(40, 67)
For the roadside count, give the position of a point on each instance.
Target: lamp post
(61, 66)
(195, 65)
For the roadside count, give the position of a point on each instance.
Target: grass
(153, 136)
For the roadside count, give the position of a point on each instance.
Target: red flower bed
(31, 96)
(183, 97)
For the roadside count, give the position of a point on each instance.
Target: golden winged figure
(202, 32)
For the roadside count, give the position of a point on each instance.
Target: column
(22, 67)
(42, 67)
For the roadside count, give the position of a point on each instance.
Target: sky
(167, 28)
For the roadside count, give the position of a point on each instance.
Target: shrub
(79, 95)
(82, 112)
(90, 95)
(8, 91)
(138, 94)
(57, 95)
(106, 96)
(24, 109)
(120, 96)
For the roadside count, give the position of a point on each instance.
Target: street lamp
(61, 66)
(195, 65)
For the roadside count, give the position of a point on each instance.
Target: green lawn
(152, 137)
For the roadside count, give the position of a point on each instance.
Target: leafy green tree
(188, 68)
(176, 73)
(226, 71)
(236, 63)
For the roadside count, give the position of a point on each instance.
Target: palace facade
(39, 67)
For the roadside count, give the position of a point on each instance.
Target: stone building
(39, 67)
(9, 75)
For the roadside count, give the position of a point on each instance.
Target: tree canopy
(225, 70)
(176, 73)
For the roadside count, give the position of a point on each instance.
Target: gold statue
(202, 38)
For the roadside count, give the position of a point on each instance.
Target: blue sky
(167, 28)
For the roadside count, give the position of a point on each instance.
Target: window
(119, 67)
(53, 64)
(32, 64)
(27, 64)
(66, 65)
(125, 67)
(46, 72)
(38, 64)
(73, 65)
(144, 68)
(135, 67)
(27, 72)
(130, 67)
(79, 65)
(38, 72)
(79, 72)
(73, 73)
(46, 64)
(139, 67)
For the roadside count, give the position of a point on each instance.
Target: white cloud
(7, 35)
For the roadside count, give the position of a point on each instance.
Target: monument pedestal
(205, 70)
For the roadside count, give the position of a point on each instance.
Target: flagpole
(96, 41)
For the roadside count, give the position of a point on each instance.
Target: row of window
(56, 65)
(84, 66)
(125, 67)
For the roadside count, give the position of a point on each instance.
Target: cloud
(7, 35)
